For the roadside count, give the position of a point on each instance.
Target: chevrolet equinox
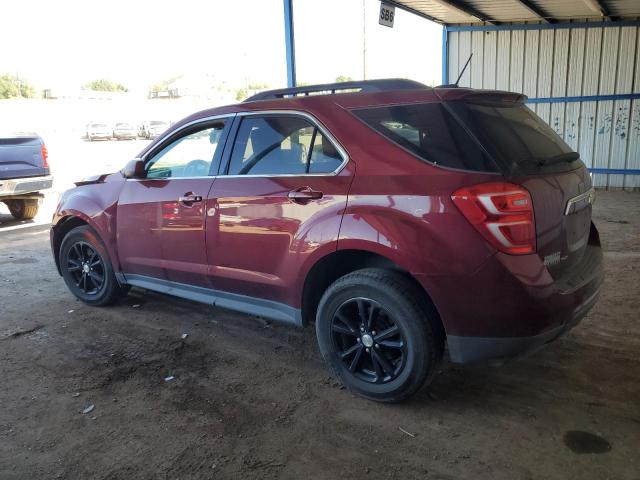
(399, 219)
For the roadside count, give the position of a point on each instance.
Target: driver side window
(190, 155)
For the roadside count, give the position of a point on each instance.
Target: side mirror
(134, 169)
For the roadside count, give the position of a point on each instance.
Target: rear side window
(281, 145)
(429, 131)
(516, 137)
(324, 155)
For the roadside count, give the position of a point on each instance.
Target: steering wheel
(256, 157)
(196, 168)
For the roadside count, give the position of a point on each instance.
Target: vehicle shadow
(567, 372)
(527, 386)
(9, 225)
(8, 221)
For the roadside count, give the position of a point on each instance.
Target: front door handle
(304, 194)
(189, 199)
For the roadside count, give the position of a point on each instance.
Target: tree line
(13, 86)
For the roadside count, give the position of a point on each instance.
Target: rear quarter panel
(412, 221)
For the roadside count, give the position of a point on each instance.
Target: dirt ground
(250, 399)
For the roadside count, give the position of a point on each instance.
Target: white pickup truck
(24, 174)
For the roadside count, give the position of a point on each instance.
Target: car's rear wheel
(378, 333)
(23, 209)
(86, 268)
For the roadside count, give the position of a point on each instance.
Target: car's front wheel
(378, 332)
(86, 268)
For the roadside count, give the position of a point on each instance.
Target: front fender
(96, 205)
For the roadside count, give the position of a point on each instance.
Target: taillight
(502, 212)
(45, 156)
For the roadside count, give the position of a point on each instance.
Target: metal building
(578, 61)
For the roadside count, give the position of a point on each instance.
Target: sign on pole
(387, 13)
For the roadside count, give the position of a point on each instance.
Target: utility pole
(364, 40)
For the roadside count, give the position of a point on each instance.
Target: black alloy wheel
(86, 267)
(379, 333)
(368, 340)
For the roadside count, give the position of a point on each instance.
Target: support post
(289, 43)
(445, 55)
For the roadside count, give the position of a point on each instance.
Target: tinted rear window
(515, 137)
(429, 131)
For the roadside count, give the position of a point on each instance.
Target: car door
(280, 199)
(161, 227)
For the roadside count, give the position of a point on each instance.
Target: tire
(82, 254)
(407, 346)
(23, 209)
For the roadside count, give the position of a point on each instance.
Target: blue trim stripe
(615, 171)
(542, 26)
(586, 98)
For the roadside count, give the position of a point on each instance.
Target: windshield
(516, 137)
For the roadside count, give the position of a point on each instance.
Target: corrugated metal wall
(552, 66)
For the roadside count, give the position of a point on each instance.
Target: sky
(66, 43)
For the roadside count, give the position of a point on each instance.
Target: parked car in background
(397, 218)
(153, 128)
(24, 174)
(124, 131)
(99, 131)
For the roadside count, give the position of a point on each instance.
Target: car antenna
(463, 69)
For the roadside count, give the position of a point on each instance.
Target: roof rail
(341, 87)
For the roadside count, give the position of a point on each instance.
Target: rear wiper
(563, 157)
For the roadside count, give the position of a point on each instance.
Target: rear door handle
(304, 194)
(189, 199)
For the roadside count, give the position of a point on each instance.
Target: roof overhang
(483, 12)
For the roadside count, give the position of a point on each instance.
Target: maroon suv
(397, 218)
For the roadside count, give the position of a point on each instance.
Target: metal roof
(454, 12)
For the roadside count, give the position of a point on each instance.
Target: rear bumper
(512, 305)
(478, 349)
(23, 186)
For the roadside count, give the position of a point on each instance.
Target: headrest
(328, 149)
(261, 138)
